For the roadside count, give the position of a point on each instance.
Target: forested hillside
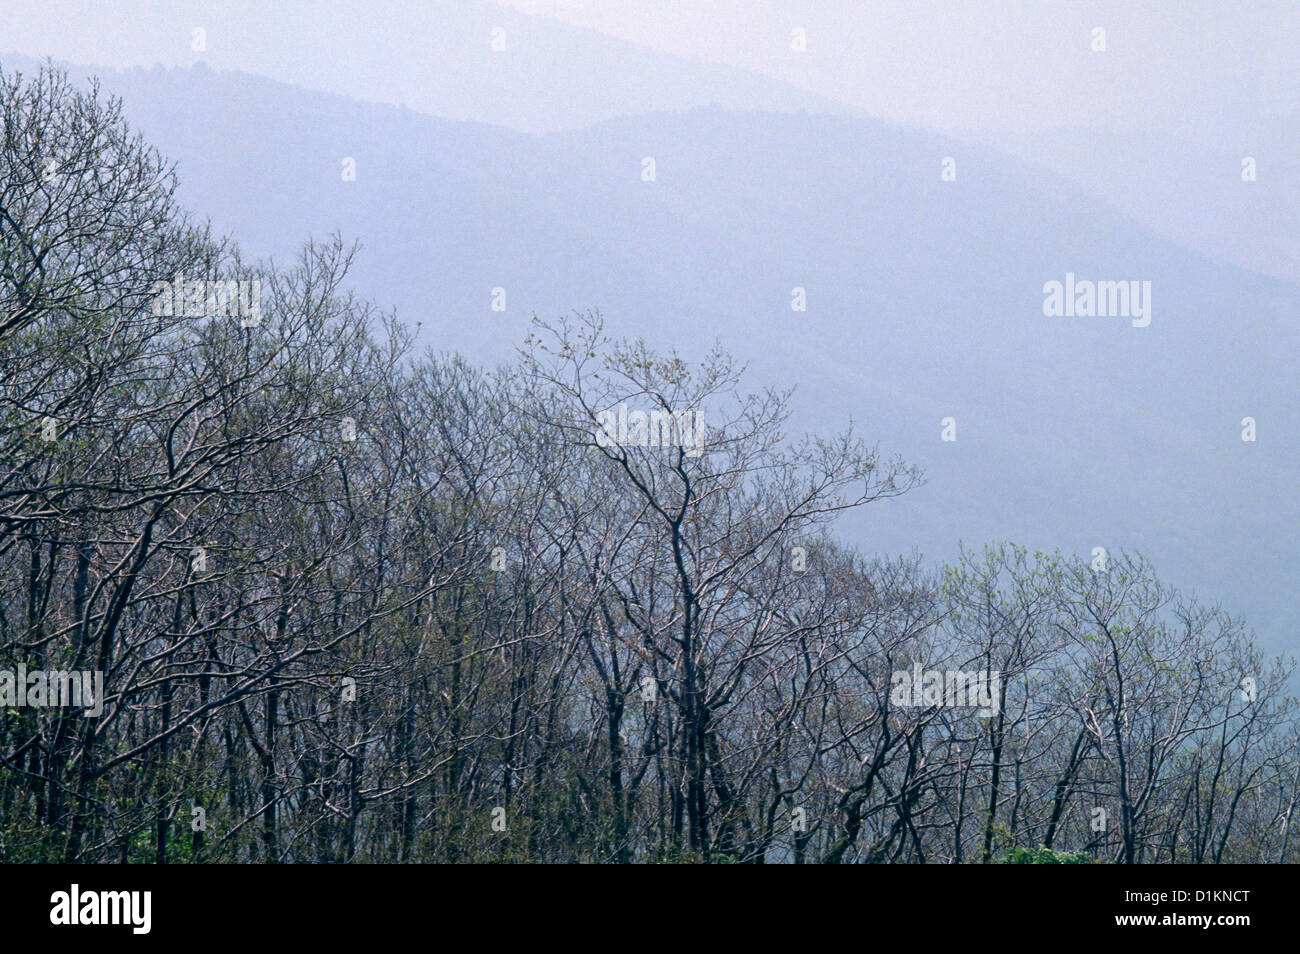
(923, 297)
(354, 601)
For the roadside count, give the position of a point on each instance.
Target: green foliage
(1046, 856)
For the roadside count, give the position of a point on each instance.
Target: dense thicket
(357, 603)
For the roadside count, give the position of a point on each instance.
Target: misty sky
(1005, 66)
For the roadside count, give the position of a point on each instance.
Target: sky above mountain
(1155, 114)
(1004, 66)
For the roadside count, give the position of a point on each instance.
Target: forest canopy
(355, 601)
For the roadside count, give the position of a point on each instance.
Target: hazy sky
(1015, 66)
(1011, 65)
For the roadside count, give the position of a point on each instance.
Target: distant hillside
(476, 60)
(1189, 193)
